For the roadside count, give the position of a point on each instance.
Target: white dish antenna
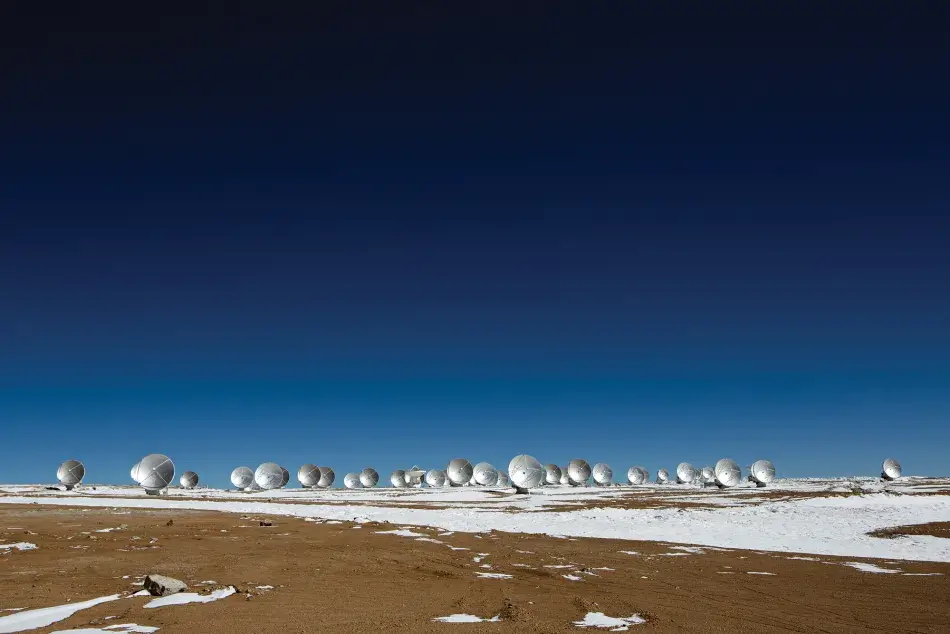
(242, 477)
(189, 480)
(369, 477)
(459, 472)
(284, 477)
(728, 473)
(565, 479)
(70, 473)
(352, 481)
(398, 479)
(485, 474)
(436, 478)
(156, 472)
(415, 476)
(762, 472)
(525, 472)
(603, 474)
(662, 476)
(891, 469)
(578, 472)
(135, 472)
(269, 476)
(308, 475)
(637, 475)
(686, 473)
(552, 474)
(326, 478)
(503, 480)
(708, 474)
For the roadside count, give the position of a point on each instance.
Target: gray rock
(162, 586)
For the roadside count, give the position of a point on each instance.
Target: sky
(384, 235)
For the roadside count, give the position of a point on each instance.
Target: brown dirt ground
(338, 578)
(934, 529)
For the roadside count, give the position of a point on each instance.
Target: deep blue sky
(367, 235)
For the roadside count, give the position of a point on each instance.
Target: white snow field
(809, 516)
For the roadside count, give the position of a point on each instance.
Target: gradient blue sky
(382, 236)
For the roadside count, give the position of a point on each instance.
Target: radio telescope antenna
(578, 472)
(603, 474)
(415, 476)
(326, 477)
(565, 478)
(728, 473)
(525, 472)
(708, 475)
(435, 478)
(70, 473)
(637, 475)
(242, 477)
(352, 481)
(135, 472)
(189, 480)
(685, 473)
(891, 469)
(762, 472)
(503, 480)
(662, 476)
(156, 472)
(398, 479)
(459, 472)
(308, 475)
(485, 474)
(269, 476)
(552, 474)
(284, 477)
(369, 477)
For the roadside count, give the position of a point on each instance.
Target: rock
(162, 586)
(265, 523)
(170, 523)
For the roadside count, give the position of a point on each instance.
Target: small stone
(162, 586)
(170, 523)
(265, 523)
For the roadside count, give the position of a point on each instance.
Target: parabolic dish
(352, 481)
(708, 474)
(662, 476)
(891, 469)
(762, 471)
(637, 475)
(135, 472)
(552, 474)
(242, 477)
(71, 473)
(269, 476)
(326, 477)
(459, 472)
(603, 474)
(503, 480)
(284, 477)
(685, 473)
(578, 472)
(565, 479)
(308, 475)
(156, 472)
(435, 478)
(525, 472)
(369, 477)
(728, 473)
(398, 479)
(188, 480)
(485, 474)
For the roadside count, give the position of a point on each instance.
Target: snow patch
(465, 618)
(601, 620)
(43, 617)
(863, 566)
(492, 575)
(18, 546)
(191, 597)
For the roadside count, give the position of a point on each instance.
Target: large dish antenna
(269, 476)
(637, 475)
(762, 472)
(728, 473)
(156, 472)
(70, 473)
(708, 474)
(135, 472)
(552, 474)
(308, 475)
(284, 477)
(578, 472)
(326, 478)
(352, 481)
(485, 474)
(459, 472)
(369, 477)
(565, 479)
(685, 473)
(435, 478)
(242, 477)
(662, 476)
(398, 479)
(188, 480)
(525, 472)
(603, 474)
(891, 469)
(415, 476)
(503, 480)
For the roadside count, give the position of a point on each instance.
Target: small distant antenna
(578, 472)
(603, 474)
(728, 473)
(242, 477)
(459, 472)
(188, 480)
(352, 481)
(762, 472)
(891, 469)
(70, 473)
(662, 476)
(526, 472)
(485, 474)
(369, 477)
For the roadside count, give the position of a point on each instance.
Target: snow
(864, 566)
(465, 618)
(836, 526)
(126, 627)
(492, 575)
(190, 597)
(42, 617)
(17, 546)
(770, 574)
(601, 620)
(572, 577)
